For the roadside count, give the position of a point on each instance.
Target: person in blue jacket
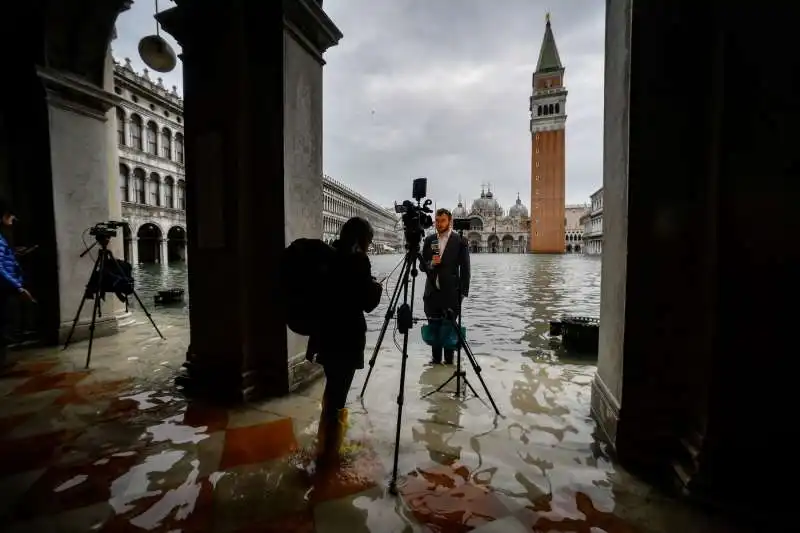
(11, 281)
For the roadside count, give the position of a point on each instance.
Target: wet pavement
(115, 449)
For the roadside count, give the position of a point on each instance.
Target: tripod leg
(413, 271)
(149, 316)
(95, 313)
(101, 258)
(389, 314)
(95, 268)
(477, 368)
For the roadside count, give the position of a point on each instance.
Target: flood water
(512, 299)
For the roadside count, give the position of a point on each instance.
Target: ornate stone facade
(573, 237)
(491, 229)
(341, 203)
(593, 225)
(149, 125)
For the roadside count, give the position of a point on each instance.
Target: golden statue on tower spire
(547, 17)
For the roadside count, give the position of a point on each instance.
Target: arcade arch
(176, 244)
(149, 237)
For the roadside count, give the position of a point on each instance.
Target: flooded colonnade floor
(117, 449)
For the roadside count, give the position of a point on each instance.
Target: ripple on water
(512, 299)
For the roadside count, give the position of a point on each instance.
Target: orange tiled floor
(93, 451)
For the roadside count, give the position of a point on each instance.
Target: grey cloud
(440, 88)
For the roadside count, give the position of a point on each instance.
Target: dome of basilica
(518, 209)
(487, 205)
(460, 211)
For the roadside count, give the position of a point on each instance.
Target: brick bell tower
(548, 161)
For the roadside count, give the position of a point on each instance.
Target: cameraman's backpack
(304, 283)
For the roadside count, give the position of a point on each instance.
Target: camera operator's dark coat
(453, 273)
(352, 291)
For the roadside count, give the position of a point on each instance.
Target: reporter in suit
(445, 260)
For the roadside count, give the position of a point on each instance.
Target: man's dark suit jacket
(453, 274)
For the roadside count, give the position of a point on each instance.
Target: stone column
(250, 162)
(688, 265)
(164, 260)
(134, 250)
(79, 144)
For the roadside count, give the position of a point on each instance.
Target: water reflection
(151, 278)
(512, 300)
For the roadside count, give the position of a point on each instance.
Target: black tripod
(95, 287)
(405, 321)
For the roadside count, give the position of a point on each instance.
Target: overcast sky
(440, 88)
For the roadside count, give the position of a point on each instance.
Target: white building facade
(491, 229)
(593, 225)
(151, 167)
(573, 234)
(341, 203)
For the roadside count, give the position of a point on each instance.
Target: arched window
(124, 183)
(120, 127)
(152, 138)
(138, 186)
(558, 108)
(179, 148)
(181, 194)
(550, 109)
(155, 189)
(166, 143)
(136, 132)
(169, 192)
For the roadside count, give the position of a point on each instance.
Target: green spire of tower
(549, 59)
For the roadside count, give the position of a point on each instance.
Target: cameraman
(341, 343)
(10, 276)
(445, 259)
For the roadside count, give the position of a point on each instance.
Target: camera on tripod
(106, 230)
(416, 218)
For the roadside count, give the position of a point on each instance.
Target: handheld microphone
(435, 247)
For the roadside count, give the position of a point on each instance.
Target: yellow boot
(341, 430)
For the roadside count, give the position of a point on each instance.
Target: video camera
(106, 230)
(416, 218)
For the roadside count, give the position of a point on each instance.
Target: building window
(152, 135)
(537, 164)
(120, 127)
(155, 189)
(539, 110)
(181, 193)
(138, 186)
(166, 143)
(124, 182)
(169, 191)
(558, 108)
(136, 132)
(179, 148)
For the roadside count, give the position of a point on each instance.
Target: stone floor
(115, 449)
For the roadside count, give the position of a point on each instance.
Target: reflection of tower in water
(444, 420)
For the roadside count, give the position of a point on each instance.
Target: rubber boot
(330, 437)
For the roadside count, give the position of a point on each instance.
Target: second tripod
(106, 274)
(460, 375)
